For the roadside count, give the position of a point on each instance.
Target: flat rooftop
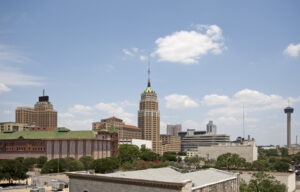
(199, 178)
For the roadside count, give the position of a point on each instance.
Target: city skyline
(208, 62)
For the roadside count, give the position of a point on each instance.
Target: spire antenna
(149, 71)
(43, 92)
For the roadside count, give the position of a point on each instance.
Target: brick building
(59, 144)
(115, 124)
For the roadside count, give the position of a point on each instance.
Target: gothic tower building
(149, 117)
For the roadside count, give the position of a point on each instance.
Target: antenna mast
(149, 84)
(243, 121)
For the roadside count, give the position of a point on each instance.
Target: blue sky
(208, 60)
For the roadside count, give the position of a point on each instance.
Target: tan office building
(42, 115)
(149, 117)
(114, 124)
(170, 143)
(12, 127)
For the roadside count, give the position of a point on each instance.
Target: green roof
(149, 90)
(49, 135)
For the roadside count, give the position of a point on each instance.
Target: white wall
(247, 151)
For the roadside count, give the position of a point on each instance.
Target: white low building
(246, 149)
(137, 142)
(155, 180)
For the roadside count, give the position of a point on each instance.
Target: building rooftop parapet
(166, 177)
(125, 180)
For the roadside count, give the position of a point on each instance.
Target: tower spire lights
(149, 83)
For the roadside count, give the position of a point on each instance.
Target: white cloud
(135, 53)
(175, 101)
(116, 109)
(11, 55)
(229, 110)
(75, 124)
(84, 115)
(259, 101)
(143, 57)
(215, 99)
(292, 50)
(80, 109)
(128, 52)
(65, 115)
(191, 124)
(188, 47)
(4, 88)
(10, 74)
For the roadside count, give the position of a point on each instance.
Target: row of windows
(24, 149)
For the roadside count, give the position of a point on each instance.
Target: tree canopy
(230, 161)
(128, 153)
(262, 182)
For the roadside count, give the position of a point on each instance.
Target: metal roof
(199, 178)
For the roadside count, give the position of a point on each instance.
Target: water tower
(288, 111)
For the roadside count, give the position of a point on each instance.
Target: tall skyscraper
(288, 111)
(42, 115)
(173, 129)
(149, 117)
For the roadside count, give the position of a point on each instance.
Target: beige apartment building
(246, 149)
(12, 127)
(42, 115)
(170, 143)
(115, 124)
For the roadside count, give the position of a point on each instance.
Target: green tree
(271, 152)
(128, 153)
(19, 171)
(169, 156)
(75, 165)
(194, 160)
(13, 170)
(262, 182)
(55, 166)
(281, 166)
(106, 165)
(230, 161)
(87, 161)
(260, 165)
(284, 151)
(147, 155)
(30, 162)
(296, 157)
(41, 161)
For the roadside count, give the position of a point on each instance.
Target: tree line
(16, 169)
(130, 157)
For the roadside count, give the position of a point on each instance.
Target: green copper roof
(49, 135)
(149, 90)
